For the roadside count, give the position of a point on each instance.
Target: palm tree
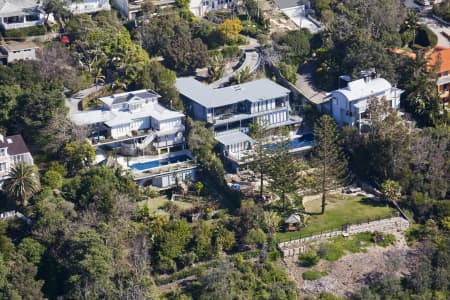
(22, 183)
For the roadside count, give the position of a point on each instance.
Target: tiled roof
(15, 144)
(444, 57)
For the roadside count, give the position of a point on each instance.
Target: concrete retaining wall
(391, 225)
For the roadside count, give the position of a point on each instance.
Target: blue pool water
(305, 140)
(159, 163)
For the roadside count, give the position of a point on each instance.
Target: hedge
(24, 32)
(425, 37)
(313, 275)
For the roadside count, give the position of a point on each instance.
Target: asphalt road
(437, 27)
(427, 19)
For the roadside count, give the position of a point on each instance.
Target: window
(31, 18)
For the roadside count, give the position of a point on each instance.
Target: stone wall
(391, 225)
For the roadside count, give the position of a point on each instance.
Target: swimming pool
(303, 141)
(158, 163)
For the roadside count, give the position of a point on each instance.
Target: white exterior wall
(7, 162)
(168, 124)
(201, 7)
(140, 124)
(341, 106)
(25, 54)
(120, 131)
(170, 179)
(89, 6)
(24, 23)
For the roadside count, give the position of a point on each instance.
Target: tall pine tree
(284, 169)
(329, 159)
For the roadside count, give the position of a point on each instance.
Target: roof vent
(237, 88)
(9, 141)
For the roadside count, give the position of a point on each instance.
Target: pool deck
(244, 156)
(125, 162)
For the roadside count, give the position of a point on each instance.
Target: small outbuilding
(293, 222)
(15, 51)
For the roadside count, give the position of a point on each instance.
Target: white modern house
(133, 9)
(87, 6)
(231, 110)
(297, 11)
(20, 14)
(133, 115)
(201, 7)
(15, 51)
(146, 137)
(13, 150)
(349, 104)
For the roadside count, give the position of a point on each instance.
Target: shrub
(335, 251)
(308, 259)
(231, 51)
(288, 71)
(383, 240)
(58, 167)
(313, 275)
(323, 250)
(52, 179)
(425, 37)
(24, 32)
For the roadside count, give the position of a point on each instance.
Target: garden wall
(391, 225)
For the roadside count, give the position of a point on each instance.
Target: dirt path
(352, 271)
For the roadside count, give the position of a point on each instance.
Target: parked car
(351, 190)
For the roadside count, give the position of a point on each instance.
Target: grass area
(340, 210)
(338, 247)
(155, 204)
(313, 275)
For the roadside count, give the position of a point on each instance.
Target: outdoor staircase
(148, 139)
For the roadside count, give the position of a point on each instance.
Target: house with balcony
(350, 103)
(135, 119)
(440, 59)
(13, 150)
(87, 6)
(231, 110)
(201, 7)
(145, 137)
(20, 14)
(133, 9)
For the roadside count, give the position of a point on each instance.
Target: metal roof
(129, 96)
(258, 90)
(9, 8)
(233, 137)
(360, 89)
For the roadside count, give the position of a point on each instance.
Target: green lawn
(340, 210)
(156, 204)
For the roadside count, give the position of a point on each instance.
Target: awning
(443, 80)
(233, 138)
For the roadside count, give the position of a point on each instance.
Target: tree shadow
(374, 201)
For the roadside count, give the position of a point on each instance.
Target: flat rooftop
(233, 137)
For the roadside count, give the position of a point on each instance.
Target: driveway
(437, 27)
(72, 101)
(252, 60)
